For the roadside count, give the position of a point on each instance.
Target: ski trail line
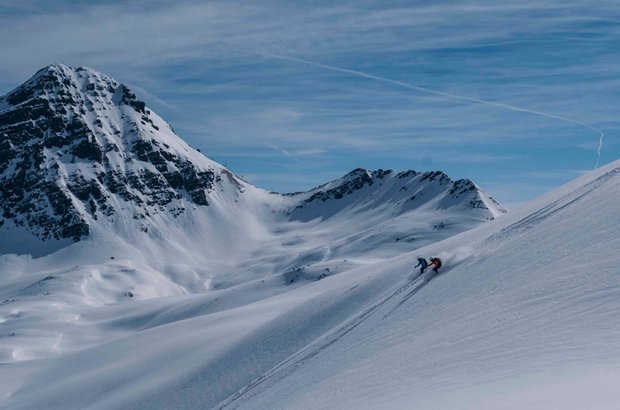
(446, 94)
(407, 297)
(311, 350)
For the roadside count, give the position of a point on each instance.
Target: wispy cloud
(205, 67)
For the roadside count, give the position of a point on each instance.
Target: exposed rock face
(76, 146)
(353, 181)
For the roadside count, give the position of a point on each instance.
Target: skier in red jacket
(436, 262)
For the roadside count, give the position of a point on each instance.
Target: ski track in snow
(296, 361)
(300, 358)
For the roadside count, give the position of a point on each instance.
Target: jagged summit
(77, 146)
(57, 80)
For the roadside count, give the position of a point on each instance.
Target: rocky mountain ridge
(404, 191)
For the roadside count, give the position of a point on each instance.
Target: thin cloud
(195, 62)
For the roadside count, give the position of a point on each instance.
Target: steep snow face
(78, 147)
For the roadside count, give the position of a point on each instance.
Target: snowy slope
(526, 314)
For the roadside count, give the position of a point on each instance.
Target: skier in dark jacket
(422, 264)
(436, 262)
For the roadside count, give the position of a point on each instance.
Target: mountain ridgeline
(79, 150)
(401, 192)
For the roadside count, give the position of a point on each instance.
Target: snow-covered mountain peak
(59, 84)
(402, 192)
(77, 146)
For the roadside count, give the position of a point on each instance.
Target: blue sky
(211, 70)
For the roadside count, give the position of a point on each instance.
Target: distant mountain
(404, 191)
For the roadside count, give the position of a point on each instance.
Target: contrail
(443, 94)
(600, 147)
(282, 151)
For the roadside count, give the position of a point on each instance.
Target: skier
(422, 264)
(436, 262)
